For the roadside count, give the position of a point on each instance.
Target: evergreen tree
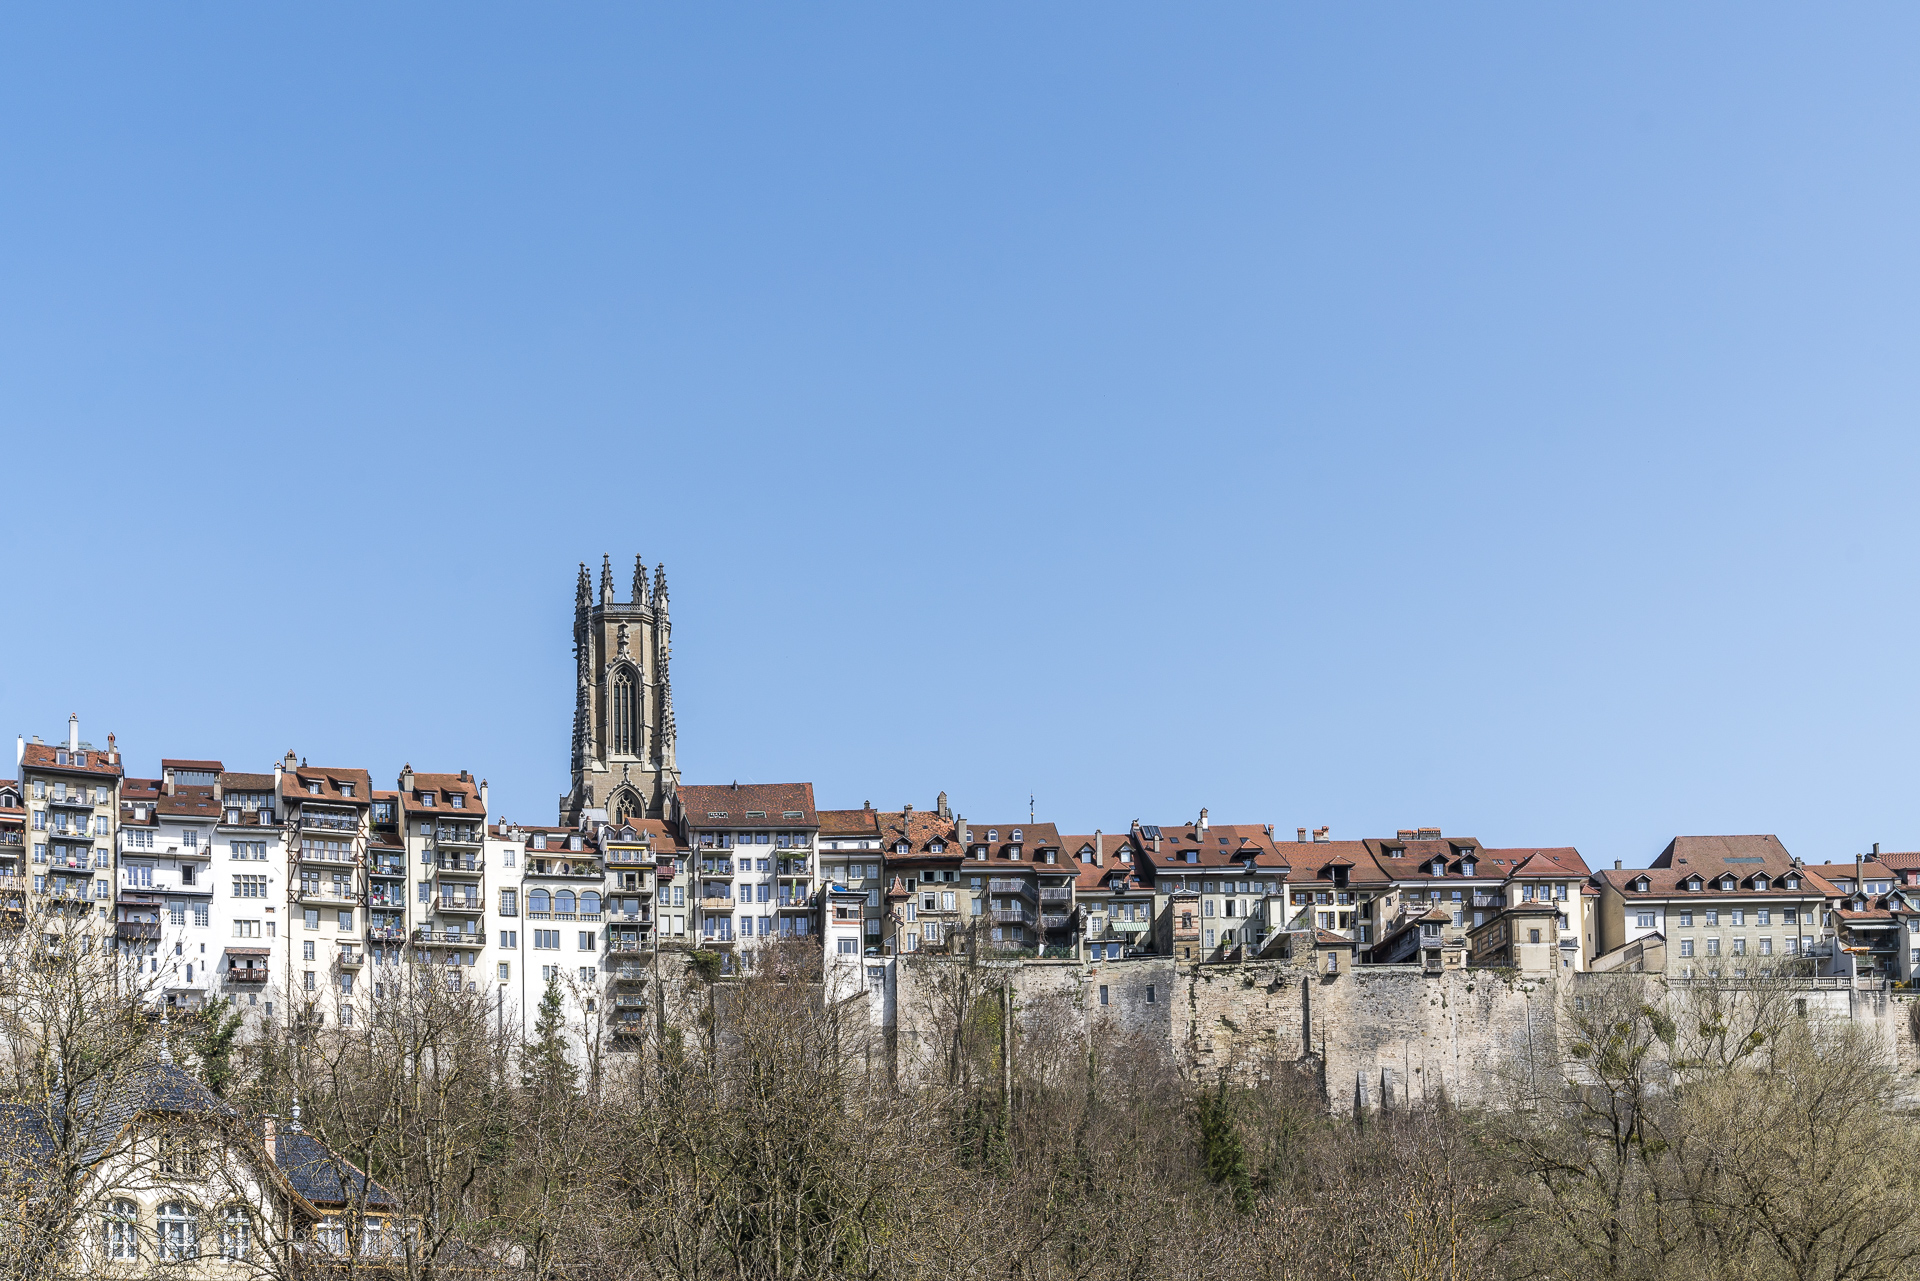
(546, 1066)
(1222, 1155)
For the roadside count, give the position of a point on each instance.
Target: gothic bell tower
(623, 700)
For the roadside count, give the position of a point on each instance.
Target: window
(1103, 994)
(1686, 947)
(1766, 947)
(249, 887)
(200, 915)
(1149, 994)
(179, 1235)
(505, 971)
(1645, 920)
(1713, 916)
(547, 940)
(306, 950)
(1713, 947)
(1533, 936)
(509, 938)
(121, 1229)
(1686, 920)
(586, 940)
(587, 973)
(312, 920)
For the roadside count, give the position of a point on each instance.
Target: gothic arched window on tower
(625, 714)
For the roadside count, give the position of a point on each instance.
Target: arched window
(590, 902)
(1016, 833)
(236, 1232)
(121, 1231)
(539, 901)
(624, 715)
(626, 808)
(563, 901)
(993, 833)
(179, 1234)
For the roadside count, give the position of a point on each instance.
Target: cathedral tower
(623, 700)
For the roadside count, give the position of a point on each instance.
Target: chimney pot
(1303, 836)
(73, 732)
(1616, 865)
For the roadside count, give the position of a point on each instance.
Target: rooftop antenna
(1029, 807)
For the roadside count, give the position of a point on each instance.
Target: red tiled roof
(860, 822)
(41, 756)
(727, 805)
(1712, 858)
(442, 786)
(232, 782)
(293, 784)
(167, 763)
(1310, 861)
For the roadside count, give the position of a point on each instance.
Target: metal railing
(1056, 894)
(475, 939)
(459, 903)
(460, 863)
(997, 885)
(1012, 916)
(328, 822)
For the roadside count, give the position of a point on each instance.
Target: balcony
(386, 933)
(1012, 916)
(328, 896)
(630, 858)
(1055, 920)
(71, 802)
(136, 931)
(460, 903)
(714, 894)
(627, 1024)
(393, 869)
(629, 973)
(997, 885)
(247, 974)
(630, 947)
(352, 960)
(457, 834)
(716, 867)
(466, 864)
(1056, 894)
(311, 822)
(68, 863)
(13, 885)
(475, 939)
(12, 838)
(629, 1001)
(320, 854)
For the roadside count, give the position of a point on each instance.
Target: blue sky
(1494, 417)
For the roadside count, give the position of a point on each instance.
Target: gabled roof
(1214, 847)
(168, 762)
(42, 756)
(921, 830)
(441, 786)
(1312, 861)
(294, 782)
(322, 1176)
(860, 822)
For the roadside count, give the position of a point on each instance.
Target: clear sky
(1494, 417)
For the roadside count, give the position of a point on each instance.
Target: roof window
(1016, 833)
(313, 789)
(993, 833)
(1640, 886)
(539, 840)
(1727, 882)
(1793, 882)
(456, 800)
(1693, 883)
(1193, 856)
(60, 756)
(901, 847)
(573, 842)
(426, 799)
(346, 789)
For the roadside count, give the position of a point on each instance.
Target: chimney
(1320, 833)
(1203, 818)
(962, 830)
(1616, 865)
(166, 776)
(464, 778)
(113, 753)
(406, 778)
(276, 780)
(483, 796)
(290, 760)
(19, 750)
(1099, 857)
(73, 732)
(1303, 835)
(271, 1127)
(219, 791)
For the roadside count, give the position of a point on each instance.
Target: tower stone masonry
(623, 733)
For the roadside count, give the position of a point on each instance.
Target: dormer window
(901, 847)
(1016, 833)
(1759, 882)
(1050, 856)
(1013, 851)
(1726, 882)
(1193, 856)
(426, 799)
(539, 840)
(936, 847)
(458, 801)
(313, 789)
(993, 833)
(1793, 882)
(60, 756)
(346, 789)
(1466, 867)
(1640, 886)
(1439, 867)
(1693, 883)
(980, 852)
(573, 842)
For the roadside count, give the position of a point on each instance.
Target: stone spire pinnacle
(639, 580)
(660, 587)
(583, 591)
(606, 580)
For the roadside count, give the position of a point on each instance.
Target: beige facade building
(1713, 906)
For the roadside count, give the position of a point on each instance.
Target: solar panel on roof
(1151, 833)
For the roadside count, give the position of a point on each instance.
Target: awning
(249, 951)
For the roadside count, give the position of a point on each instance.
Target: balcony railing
(627, 1024)
(716, 867)
(328, 822)
(1054, 920)
(457, 835)
(1056, 894)
(386, 933)
(326, 894)
(352, 960)
(460, 863)
(247, 974)
(475, 939)
(12, 884)
(997, 885)
(1012, 916)
(71, 802)
(626, 946)
(460, 904)
(629, 1001)
(319, 854)
(387, 867)
(630, 858)
(12, 838)
(136, 930)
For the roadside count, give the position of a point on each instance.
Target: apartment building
(1016, 861)
(250, 879)
(328, 814)
(938, 898)
(72, 794)
(1337, 886)
(1711, 906)
(563, 880)
(1471, 884)
(851, 858)
(1224, 885)
(751, 849)
(1113, 896)
(163, 903)
(443, 826)
(13, 852)
(1867, 921)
